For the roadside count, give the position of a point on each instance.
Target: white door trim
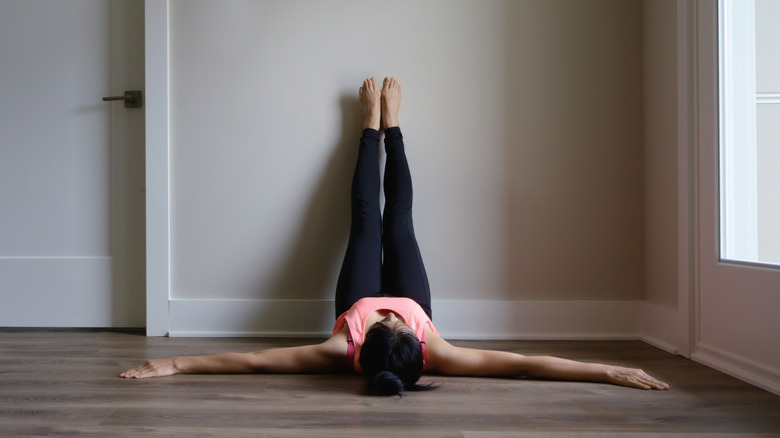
(735, 324)
(158, 231)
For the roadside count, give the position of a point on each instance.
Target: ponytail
(385, 383)
(392, 361)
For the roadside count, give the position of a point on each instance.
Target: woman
(383, 304)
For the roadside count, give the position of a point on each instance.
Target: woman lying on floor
(383, 303)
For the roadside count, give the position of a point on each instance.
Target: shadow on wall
(321, 239)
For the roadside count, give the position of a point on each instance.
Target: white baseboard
(659, 343)
(756, 374)
(455, 319)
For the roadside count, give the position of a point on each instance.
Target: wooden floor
(65, 383)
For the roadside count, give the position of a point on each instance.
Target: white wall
(523, 123)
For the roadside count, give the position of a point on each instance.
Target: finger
(134, 373)
(637, 383)
(657, 384)
(662, 386)
(653, 382)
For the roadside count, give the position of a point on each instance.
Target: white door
(737, 305)
(71, 165)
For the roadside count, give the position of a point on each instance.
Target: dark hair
(392, 361)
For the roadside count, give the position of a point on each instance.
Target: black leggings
(364, 273)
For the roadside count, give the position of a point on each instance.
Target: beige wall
(660, 152)
(575, 201)
(523, 122)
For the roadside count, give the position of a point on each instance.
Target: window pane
(768, 139)
(749, 132)
(767, 46)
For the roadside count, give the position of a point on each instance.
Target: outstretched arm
(447, 359)
(319, 358)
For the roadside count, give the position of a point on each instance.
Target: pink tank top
(355, 318)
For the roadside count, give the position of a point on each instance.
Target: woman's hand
(317, 358)
(634, 378)
(447, 359)
(152, 368)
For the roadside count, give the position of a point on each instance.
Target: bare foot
(370, 99)
(391, 102)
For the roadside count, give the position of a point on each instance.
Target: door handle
(133, 99)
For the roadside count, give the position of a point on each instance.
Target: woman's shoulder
(436, 349)
(343, 333)
(432, 336)
(337, 344)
